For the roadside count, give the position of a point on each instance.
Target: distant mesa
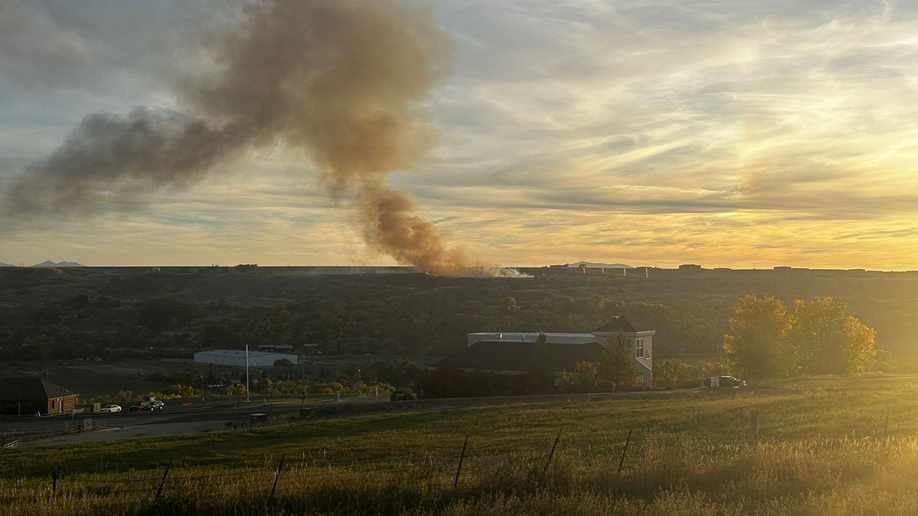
(49, 263)
(591, 265)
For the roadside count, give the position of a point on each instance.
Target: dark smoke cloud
(110, 156)
(340, 80)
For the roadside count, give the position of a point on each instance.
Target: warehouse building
(512, 352)
(236, 358)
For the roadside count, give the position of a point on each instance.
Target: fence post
(552, 454)
(277, 475)
(621, 462)
(162, 483)
(461, 458)
(753, 428)
(54, 481)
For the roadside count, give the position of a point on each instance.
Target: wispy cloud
(732, 133)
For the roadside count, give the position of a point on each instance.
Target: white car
(110, 409)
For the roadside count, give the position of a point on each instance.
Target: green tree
(586, 374)
(180, 391)
(163, 313)
(263, 385)
(758, 347)
(670, 374)
(616, 363)
(508, 305)
(828, 341)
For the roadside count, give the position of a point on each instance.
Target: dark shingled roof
(30, 388)
(618, 324)
(517, 356)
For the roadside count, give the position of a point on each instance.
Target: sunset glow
(726, 134)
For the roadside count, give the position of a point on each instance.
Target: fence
(275, 477)
(651, 460)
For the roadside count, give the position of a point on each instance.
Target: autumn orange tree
(828, 341)
(758, 347)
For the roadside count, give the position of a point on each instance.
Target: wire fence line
(284, 476)
(443, 470)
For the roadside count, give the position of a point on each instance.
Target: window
(53, 405)
(640, 378)
(639, 348)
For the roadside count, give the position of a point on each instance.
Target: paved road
(173, 411)
(218, 414)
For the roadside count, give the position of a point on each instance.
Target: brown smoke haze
(341, 80)
(393, 229)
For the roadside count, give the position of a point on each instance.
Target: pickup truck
(724, 381)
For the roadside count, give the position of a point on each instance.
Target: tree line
(817, 338)
(429, 323)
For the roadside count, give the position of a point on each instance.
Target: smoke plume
(341, 80)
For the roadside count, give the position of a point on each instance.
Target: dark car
(403, 396)
(724, 381)
(148, 405)
(143, 405)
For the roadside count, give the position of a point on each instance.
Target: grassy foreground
(827, 446)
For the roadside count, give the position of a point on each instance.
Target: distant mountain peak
(49, 263)
(6, 265)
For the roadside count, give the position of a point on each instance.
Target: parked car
(157, 404)
(110, 409)
(724, 381)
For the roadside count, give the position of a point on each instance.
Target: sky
(723, 133)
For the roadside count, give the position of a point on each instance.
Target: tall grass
(666, 476)
(825, 450)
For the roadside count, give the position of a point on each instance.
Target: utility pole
(202, 387)
(246, 372)
(303, 403)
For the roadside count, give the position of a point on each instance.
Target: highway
(189, 417)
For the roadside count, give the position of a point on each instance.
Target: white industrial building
(235, 357)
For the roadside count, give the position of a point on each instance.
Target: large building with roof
(33, 395)
(237, 358)
(512, 352)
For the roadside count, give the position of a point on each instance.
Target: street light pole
(202, 387)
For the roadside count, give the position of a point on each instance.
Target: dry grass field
(825, 446)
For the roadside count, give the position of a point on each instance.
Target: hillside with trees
(112, 313)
